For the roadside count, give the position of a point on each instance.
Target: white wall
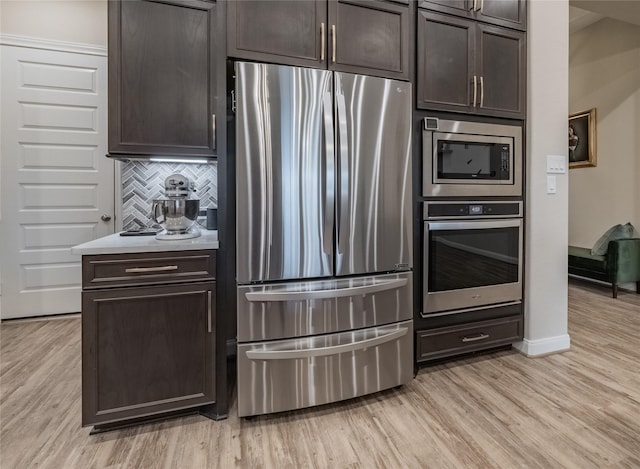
(81, 21)
(604, 73)
(547, 225)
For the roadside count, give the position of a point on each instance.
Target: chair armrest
(623, 260)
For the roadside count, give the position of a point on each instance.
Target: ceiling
(582, 13)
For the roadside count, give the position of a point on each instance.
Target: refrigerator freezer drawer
(295, 309)
(297, 373)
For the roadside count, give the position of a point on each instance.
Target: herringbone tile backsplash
(142, 182)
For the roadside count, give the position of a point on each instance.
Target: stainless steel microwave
(462, 158)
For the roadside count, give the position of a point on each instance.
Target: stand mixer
(177, 212)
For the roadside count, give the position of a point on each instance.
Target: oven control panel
(449, 210)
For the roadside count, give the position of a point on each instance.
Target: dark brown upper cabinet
(288, 32)
(162, 78)
(507, 13)
(470, 67)
(370, 37)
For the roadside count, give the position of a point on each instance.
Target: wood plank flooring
(579, 409)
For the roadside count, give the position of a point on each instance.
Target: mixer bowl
(175, 214)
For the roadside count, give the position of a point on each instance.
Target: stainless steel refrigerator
(324, 236)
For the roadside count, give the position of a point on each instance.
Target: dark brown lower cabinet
(146, 351)
(443, 342)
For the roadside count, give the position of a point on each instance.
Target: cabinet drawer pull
(480, 336)
(321, 42)
(140, 270)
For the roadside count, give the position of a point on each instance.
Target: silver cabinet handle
(481, 91)
(475, 4)
(480, 336)
(333, 42)
(213, 128)
(481, 5)
(139, 270)
(329, 198)
(321, 42)
(209, 310)
(280, 295)
(475, 89)
(105, 217)
(324, 351)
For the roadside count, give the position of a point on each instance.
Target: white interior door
(55, 181)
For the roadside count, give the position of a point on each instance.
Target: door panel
(295, 373)
(373, 202)
(56, 182)
(501, 65)
(278, 31)
(162, 78)
(284, 172)
(445, 62)
(280, 310)
(369, 37)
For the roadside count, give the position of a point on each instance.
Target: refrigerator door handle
(329, 189)
(343, 161)
(324, 351)
(283, 295)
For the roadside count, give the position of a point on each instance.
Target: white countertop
(116, 244)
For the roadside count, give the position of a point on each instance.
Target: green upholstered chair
(620, 264)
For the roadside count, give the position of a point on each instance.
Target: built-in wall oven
(473, 255)
(471, 159)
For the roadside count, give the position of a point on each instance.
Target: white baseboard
(540, 347)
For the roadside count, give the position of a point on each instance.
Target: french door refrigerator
(324, 236)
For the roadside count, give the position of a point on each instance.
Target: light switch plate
(556, 164)
(552, 185)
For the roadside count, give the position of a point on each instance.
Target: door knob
(105, 217)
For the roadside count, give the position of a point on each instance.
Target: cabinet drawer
(448, 341)
(111, 270)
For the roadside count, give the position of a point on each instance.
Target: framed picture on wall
(582, 139)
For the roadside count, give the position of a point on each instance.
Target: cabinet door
(146, 351)
(453, 7)
(162, 78)
(370, 37)
(509, 13)
(445, 62)
(500, 58)
(278, 31)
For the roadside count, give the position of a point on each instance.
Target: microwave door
(472, 159)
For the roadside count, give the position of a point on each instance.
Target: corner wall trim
(540, 347)
(49, 44)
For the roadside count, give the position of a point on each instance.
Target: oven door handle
(473, 225)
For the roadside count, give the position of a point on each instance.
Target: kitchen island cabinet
(371, 37)
(150, 332)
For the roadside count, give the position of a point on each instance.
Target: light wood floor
(579, 409)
